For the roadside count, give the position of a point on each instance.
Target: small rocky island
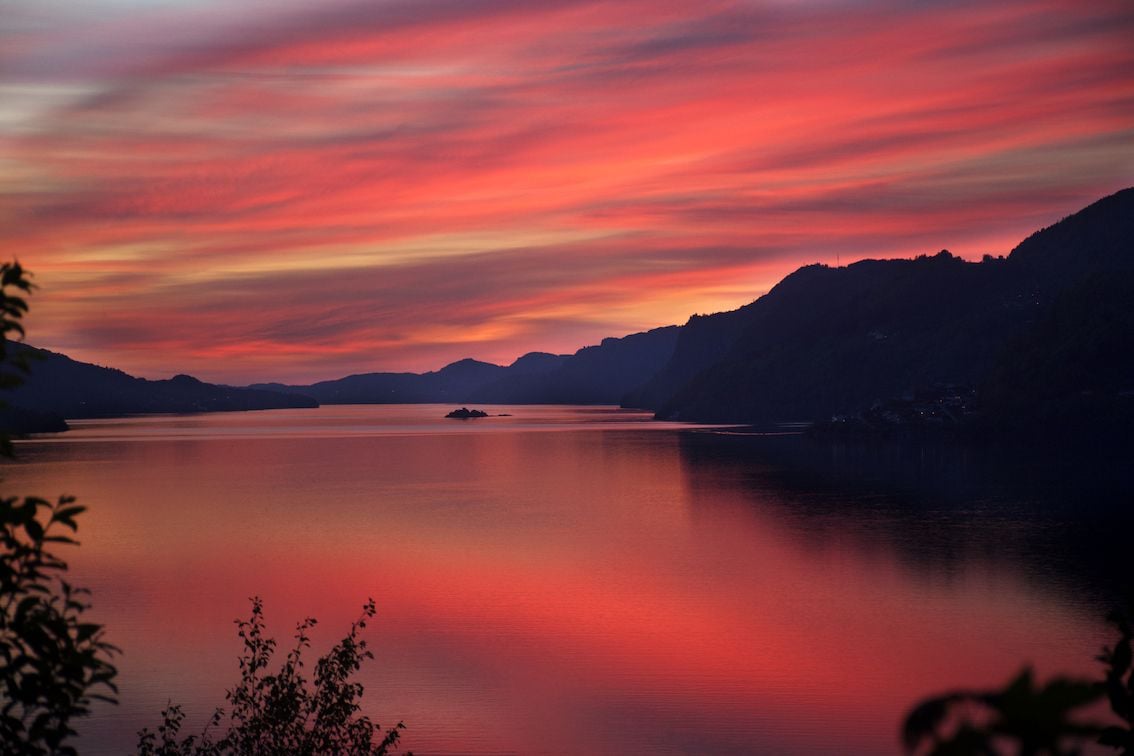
(464, 413)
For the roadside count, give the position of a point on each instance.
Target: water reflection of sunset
(591, 587)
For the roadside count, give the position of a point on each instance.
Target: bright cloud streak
(296, 192)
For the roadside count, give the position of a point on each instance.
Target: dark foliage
(51, 661)
(13, 362)
(13, 307)
(1040, 720)
(1028, 720)
(53, 665)
(284, 713)
(1119, 687)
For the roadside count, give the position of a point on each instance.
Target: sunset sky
(296, 191)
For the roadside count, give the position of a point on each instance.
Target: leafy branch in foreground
(51, 661)
(1035, 720)
(284, 713)
(13, 307)
(1119, 686)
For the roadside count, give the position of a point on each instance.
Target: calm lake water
(574, 579)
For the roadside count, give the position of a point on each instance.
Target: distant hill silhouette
(1050, 322)
(829, 340)
(450, 384)
(599, 374)
(59, 386)
(1097, 239)
(701, 342)
(1037, 341)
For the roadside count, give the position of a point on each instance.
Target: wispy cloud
(293, 191)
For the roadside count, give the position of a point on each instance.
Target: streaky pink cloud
(249, 196)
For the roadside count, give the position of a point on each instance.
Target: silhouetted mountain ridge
(599, 374)
(449, 384)
(59, 386)
(1038, 337)
(1097, 239)
(827, 341)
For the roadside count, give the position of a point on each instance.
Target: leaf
(1117, 737)
(86, 631)
(1120, 660)
(922, 722)
(68, 513)
(34, 529)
